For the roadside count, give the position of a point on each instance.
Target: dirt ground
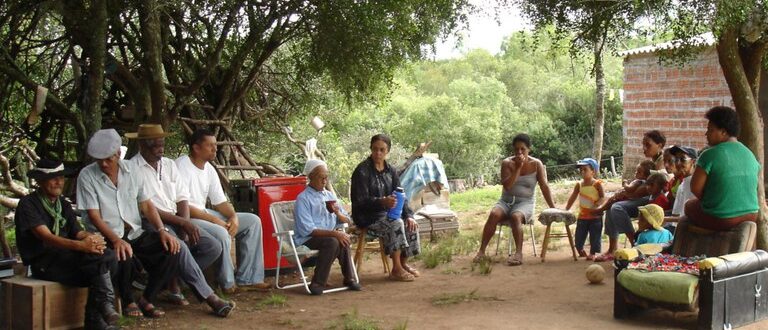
(536, 295)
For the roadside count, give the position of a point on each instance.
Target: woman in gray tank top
(519, 175)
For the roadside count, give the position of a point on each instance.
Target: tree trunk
(96, 53)
(745, 101)
(153, 51)
(597, 146)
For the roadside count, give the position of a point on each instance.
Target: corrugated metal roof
(706, 39)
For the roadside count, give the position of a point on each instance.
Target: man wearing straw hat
(111, 193)
(51, 241)
(204, 185)
(170, 197)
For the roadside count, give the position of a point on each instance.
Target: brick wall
(671, 99)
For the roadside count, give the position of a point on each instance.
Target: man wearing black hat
(51, 241)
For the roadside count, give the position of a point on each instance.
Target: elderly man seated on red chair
(317, 213)
(55, 246)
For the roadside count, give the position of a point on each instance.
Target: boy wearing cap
(52, 242)
(170, 197)
(203, 183)
(589, 192)
(650, 225)
(112, 194)
(317, 212)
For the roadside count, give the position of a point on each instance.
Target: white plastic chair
(284, 223)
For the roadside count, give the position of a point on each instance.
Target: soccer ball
(595, 273)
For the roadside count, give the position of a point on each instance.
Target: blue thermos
(395, 212)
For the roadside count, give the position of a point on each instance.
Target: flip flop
(150, 311)
(411, 270)
(176, 298)
(514, 261)
(604, 257)
(404, 277)
(225, 310)
(132, 310)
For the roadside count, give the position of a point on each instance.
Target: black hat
(686, 150)
(48, 168)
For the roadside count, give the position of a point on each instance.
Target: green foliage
(470, 199)
(274, 300)
(353, 321)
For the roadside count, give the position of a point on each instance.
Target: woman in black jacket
(373, 185)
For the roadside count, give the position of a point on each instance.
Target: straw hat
(654, 214)
(148, 131)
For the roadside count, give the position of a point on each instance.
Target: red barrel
(256, 195)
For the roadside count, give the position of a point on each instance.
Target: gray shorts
(517, 204)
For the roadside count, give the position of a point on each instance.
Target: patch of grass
(470, 200)
(289, 323)
(274, 300)
(484, 267)
(127, 322)
(450, 271)
(445, 299)
(435, 253)
(353, 321)
(401, 326)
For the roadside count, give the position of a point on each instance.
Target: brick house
(669, 98)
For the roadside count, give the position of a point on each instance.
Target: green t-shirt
(731, 187)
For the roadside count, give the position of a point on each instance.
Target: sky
(485, 31)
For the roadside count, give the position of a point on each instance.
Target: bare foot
(516, 259)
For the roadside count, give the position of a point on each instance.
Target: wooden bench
(36, 304)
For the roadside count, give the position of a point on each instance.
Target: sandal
(411, 270)
(132, 310)
(150, 311)
(402, 277)
(225, 309)
(591, 257)
(176, 298)
(514, 261)
(604, 257)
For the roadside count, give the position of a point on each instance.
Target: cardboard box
(37, 304)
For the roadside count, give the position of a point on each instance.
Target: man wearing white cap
(203, 183)
(317, 212)
(112, 195)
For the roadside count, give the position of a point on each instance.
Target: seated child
(675, 180)
(590, 193)
(634, 189)
(655, 184)
(650, 222)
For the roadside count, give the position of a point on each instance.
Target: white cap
(312, 164)
(104, 143)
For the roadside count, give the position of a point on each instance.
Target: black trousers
(329, 249)
(160, 265)
(73, 268)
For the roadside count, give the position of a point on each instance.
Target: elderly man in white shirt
(170, 196)
(203, 183)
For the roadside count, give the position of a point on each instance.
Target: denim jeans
(249, 249)
(594, 228)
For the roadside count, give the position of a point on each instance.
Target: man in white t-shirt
(203, 183)
(170, 197)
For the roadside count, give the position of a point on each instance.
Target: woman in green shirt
(725, 179)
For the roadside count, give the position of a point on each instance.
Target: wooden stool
(36, 304)
(550, 216)
(372, 246)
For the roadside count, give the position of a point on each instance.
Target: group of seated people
(147, 213)
(150, 212)
(715, 189)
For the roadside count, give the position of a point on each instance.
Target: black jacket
(368, 187)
